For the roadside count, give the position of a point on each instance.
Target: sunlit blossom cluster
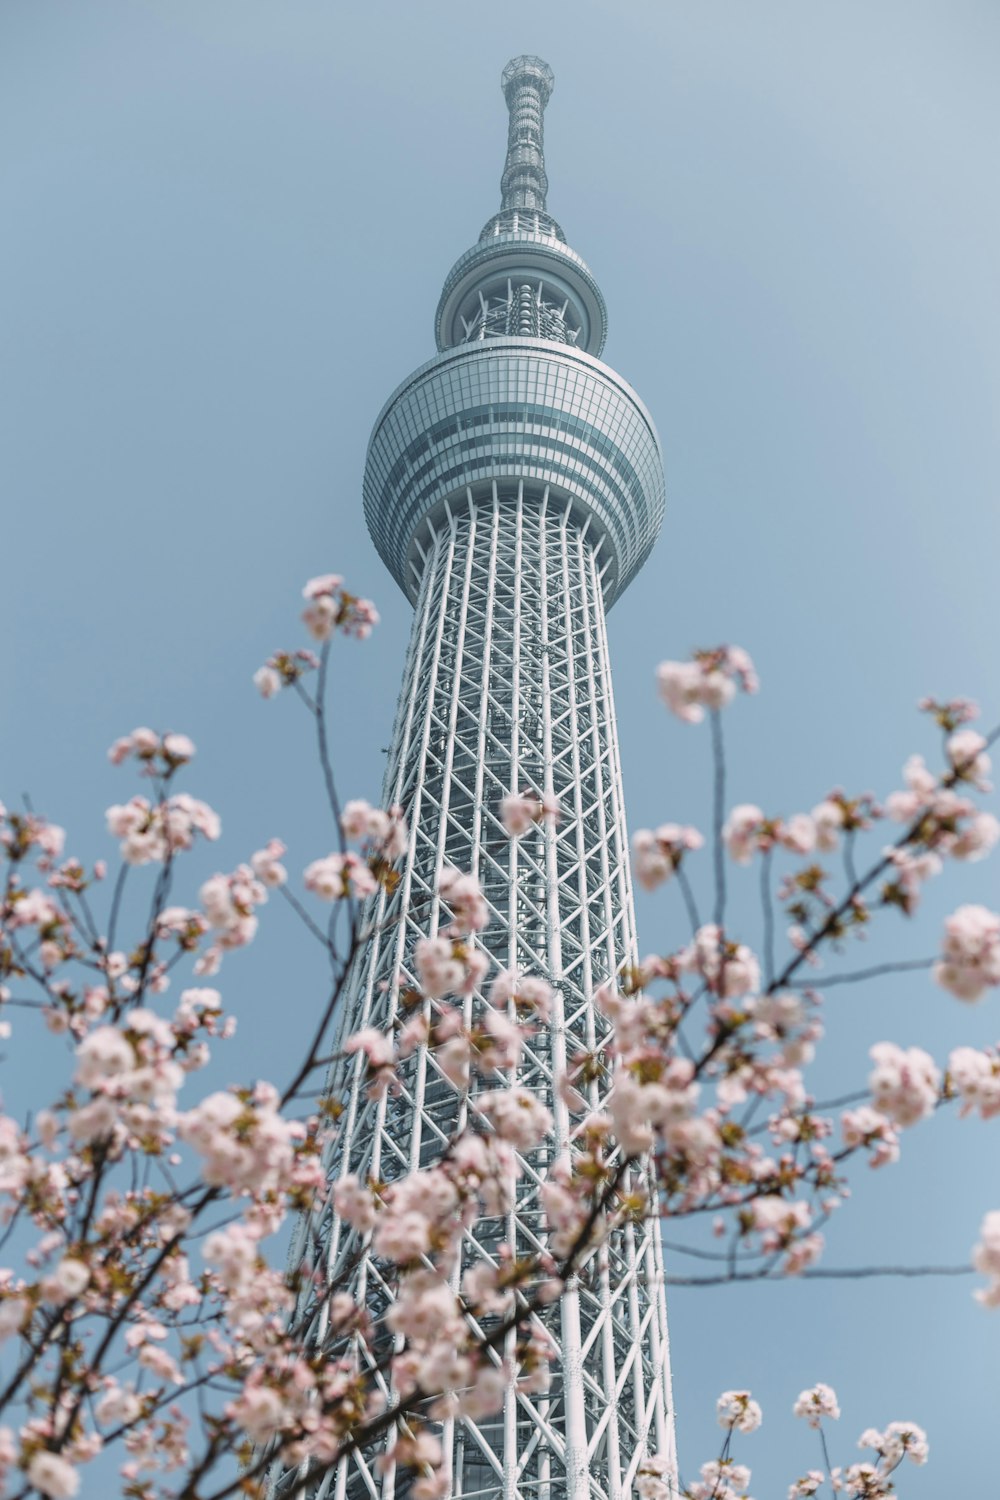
(748, 832)
(158, 754)
(146, 1211)
(708, 681)
(330, 608)
(970, 955)
(154, 831)
(521, 811)
(726, 1478)
(986, 1259)
(657, 854)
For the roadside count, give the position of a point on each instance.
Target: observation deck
(517, 392)
(515, 409)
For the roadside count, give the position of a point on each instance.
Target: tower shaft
(513, 487)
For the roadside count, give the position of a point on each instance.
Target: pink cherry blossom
(267, 681)
(520, 811)
(331, 608)
(654, 1478)
(67, 1281)
(530, 994)
(865, 1126)
(709, 680)
(380, 1055)
(463, 895)
(338, 876)
(385, 832)
(986, 1259)
(680, 685)
(402, 1236)
(967, 753)
(266, 864)
(359, 820)
(977, 838)
(440, 969)
(975, 1077)
(741, 832)
(153, 831)
(922, 786)
(244, 1143)
(160, 755)
(970, 957)
(797, 834)
(326, 583)
(658, 854)
(517, 1116)
(817, 1402)
(899, 1440)
(721, 1479)
(905, 1084)
(260, 1411)
(828, 821)
(737, 1410)
(52, 1476)
(354, 1203)
(728, 968)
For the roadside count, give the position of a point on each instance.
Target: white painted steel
(507, 685)
(513, 487)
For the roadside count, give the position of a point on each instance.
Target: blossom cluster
(748, 832)
(521, 811)
(970, 956)
(158, 754)
(330, 609)
(709, 680)
(154, 831)
(724, 1478)
(149, 1274)
(986, 1258)
(345, 875)
(657, 854)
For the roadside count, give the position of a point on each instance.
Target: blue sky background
(224, 227)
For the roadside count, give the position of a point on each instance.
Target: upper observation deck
(517, 391)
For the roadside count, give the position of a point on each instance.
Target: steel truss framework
(513, 486)
(507, 685)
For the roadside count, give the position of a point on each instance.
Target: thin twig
(904, 966)
(718, 816)
(768, 911)
(821, 1273)
(689, 901)
(323, 741)
(301, 912)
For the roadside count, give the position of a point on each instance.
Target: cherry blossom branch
(689, 900)
(300, 911)
(323, 744)
(310, 1063)
(767, 909)
(902, 966)
(820, 1273)
(718, 816)
(862, 882)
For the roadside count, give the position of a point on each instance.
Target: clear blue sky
(224, 227)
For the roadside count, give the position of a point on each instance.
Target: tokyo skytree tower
(513, 488)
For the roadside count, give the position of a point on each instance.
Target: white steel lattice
(513, 487)
(507, 685)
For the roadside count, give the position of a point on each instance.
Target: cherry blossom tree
(141, 1310)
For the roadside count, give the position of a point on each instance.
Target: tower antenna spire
(527, 83)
